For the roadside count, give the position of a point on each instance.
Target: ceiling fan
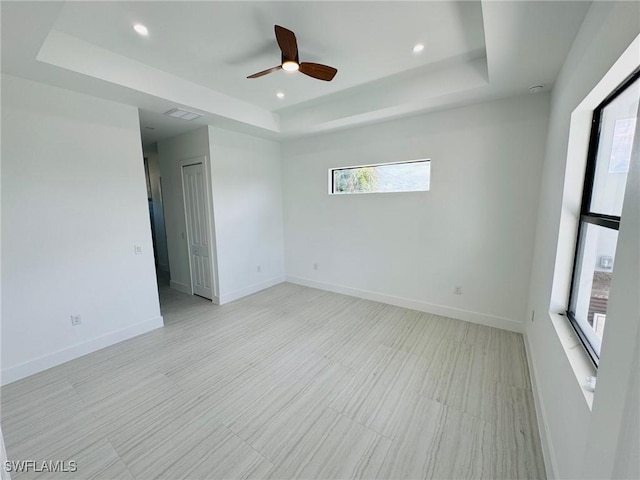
(289, 46)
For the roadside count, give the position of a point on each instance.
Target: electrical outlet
(75, 320)
(458, 290)
(258, 269)
(137, 249)
(315, 266)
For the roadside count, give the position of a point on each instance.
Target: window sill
(576, 354)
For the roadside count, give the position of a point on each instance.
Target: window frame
(586, 215)
(401, 162)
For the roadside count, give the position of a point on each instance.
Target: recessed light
(280, 95)
(418, 47)
(141, 29)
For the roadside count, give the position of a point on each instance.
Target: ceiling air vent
(182, 114)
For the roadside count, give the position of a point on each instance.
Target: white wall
(615, 418)
(73, 207)
(247, 202)
(160, 240)
(171, 152)
(475, 228)
(572, 439)
(246, 186)
(627, 461)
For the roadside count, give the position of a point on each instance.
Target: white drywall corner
(474, 228)
(73, 206)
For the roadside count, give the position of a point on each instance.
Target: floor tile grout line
(121, 459)
(248, 444)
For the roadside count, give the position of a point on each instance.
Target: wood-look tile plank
(291, 382)
(93, 461)
(334, 447)
(369, 385)
(431, 440)
(441, 363)
(471, 385)
(58, 441)
(481, 336)
(262, 427)
(516, 433)
(510, 361)
(27, 412)
(448, 328)
(116, 405)
(192, 447)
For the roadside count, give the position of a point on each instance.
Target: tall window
(615, 124)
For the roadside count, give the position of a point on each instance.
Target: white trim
(181, 287)
(451, 312)
(579, 360)
(548, 453)
(186, 163)
(45, 362)
(256, 287)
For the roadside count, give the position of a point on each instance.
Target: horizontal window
(413, 176)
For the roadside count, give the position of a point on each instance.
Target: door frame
(208, 191)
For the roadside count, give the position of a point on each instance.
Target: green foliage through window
(356, 180)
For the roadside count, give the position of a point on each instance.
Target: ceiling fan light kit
(290, 66)
(290, 62)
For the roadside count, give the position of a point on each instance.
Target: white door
(195, 204)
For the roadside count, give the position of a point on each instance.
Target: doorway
(155, 203)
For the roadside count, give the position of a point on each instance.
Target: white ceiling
(218, 44)
(198, 55)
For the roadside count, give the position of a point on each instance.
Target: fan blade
(265, 72)
(287, 43)
(316, 70)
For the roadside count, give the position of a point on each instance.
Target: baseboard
(451, 312)
(256, 287)
(45, 362)
(181, 287)
(550, 463)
